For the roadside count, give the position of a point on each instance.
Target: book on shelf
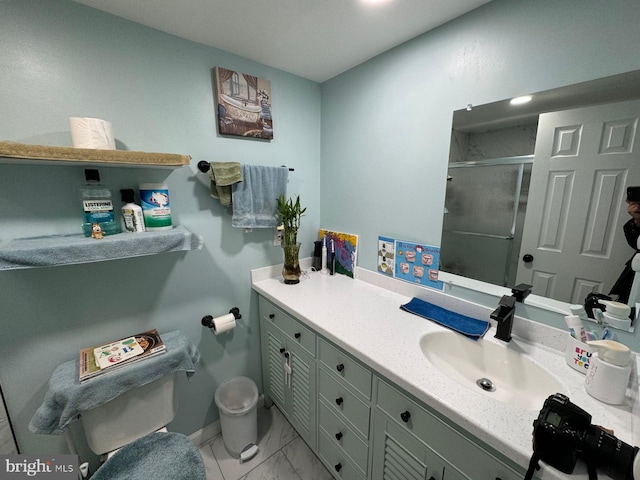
(147, 344)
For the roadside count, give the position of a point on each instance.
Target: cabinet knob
(282, 350)
(405, 416)
(338, 435)
(340, 367)
(432, 477)
(338, 467)
(272, 316)
(339, 400)
(297, 335)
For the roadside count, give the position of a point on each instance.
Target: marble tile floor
(283, 455)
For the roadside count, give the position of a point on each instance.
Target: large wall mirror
(536, 191)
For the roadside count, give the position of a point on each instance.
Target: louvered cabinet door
(398, 455)
(302, 407)
(273, 374)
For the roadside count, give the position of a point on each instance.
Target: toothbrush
(324, 256)
(333, 258)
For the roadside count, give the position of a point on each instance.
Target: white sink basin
(490, 368)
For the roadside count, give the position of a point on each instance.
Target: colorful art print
(386, 255)
(243, 104)
(418, 263)
(346, 250)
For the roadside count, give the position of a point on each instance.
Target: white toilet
(118, 425)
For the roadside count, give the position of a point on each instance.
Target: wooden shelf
(75, 249)
(20, 153)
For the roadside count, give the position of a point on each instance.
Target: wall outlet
(277, 236)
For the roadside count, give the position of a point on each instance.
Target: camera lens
(605, 451)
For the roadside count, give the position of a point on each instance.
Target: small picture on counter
(386, 255)
(417, 263)
(346, 250)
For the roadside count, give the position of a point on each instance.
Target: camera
(563, 433)
(633, 194)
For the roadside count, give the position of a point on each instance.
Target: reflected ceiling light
(375, 2)
(520, 100)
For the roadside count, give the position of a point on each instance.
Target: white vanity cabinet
(344, 412)
(360, 425)
(410, 438)
(285, 341)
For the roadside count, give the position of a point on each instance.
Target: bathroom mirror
(504, 212)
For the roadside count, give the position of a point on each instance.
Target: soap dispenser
(609, 372)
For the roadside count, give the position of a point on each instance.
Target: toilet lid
(159, 455)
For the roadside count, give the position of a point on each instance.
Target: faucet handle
(521, 291)
(507, 301)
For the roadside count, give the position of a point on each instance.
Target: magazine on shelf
(150, 343)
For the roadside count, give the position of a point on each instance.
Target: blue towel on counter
(67, 397)
(255, 199)
(468, 326)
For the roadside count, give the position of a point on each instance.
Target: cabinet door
(273, 373)
(398, 455)
(302, 393)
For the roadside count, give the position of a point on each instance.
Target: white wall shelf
(21, 153)
(74, 249)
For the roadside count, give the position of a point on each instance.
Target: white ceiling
(315, 39)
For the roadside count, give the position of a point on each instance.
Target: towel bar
(207, 320)
(204, 166)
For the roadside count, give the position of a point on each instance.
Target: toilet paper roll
(224, 323)
(92, 133)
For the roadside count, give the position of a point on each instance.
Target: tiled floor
(283, 455)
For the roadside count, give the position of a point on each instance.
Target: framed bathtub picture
(243, 104)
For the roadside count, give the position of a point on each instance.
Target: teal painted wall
(386, 124)
(61, 59)
(377, 169)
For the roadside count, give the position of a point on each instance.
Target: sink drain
(486, 384)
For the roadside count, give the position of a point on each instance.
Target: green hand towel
(223, 175)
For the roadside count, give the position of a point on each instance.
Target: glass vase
(291, 271)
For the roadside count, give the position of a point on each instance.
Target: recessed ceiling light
(520, 100)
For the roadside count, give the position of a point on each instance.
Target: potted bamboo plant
(289, 214)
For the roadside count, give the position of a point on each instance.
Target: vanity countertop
(363, 317)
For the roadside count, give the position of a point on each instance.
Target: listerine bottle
(97, 205)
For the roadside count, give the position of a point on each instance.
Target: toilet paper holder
(207, 320)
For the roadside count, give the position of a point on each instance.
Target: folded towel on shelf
(468, 326)
(223, 175)
(255, 199)
(67, 397)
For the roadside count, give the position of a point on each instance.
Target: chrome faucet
(507, 309)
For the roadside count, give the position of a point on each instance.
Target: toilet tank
(132, 415)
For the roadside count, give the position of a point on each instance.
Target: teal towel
(67, 397)
(468, 326)
(255, 199)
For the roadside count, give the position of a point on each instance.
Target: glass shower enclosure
(485, 207)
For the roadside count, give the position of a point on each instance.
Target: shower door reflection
(482, 233)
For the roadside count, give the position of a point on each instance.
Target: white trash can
(237, 400)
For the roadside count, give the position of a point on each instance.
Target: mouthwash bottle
(97, 205)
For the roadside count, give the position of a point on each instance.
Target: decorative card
(346, 250)
(386, 255)
(417, 263)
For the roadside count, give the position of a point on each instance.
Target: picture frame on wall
(243, 104)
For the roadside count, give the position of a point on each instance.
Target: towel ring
(204, 166)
